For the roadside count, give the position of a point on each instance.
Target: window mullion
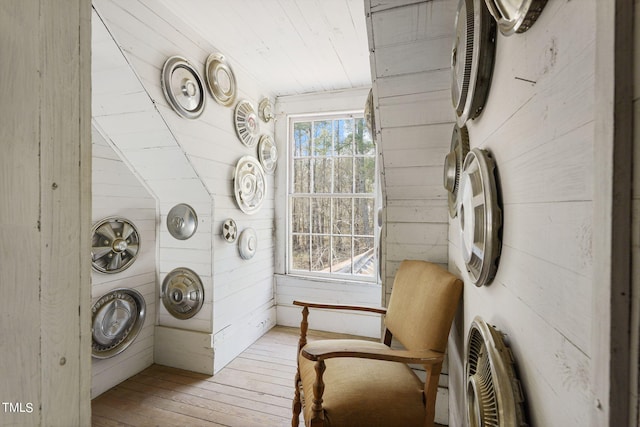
(312, 147)
(312, 162)
(332, 190)
(353, 157)
(353, 230)
(310, 234)
(331, 214)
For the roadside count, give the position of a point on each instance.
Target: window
(332, 193)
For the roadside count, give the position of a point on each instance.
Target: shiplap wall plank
(233, 339)
(292, 288)
(418, 82)
(381, 5)
(423, 211)
(429, 136)
(428, 54)
(400, 26)
(179, 348)
(416, 109)
(20, 211)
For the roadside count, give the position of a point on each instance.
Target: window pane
(301, 176)
(366, 136)
(343, 175)
(302, 139)
(342, 216)
(300, 252)
(321, 215)
(365, 174)
(364, 143)
(322, 138)
(320, 253)
(332, 193)
(300, 215)
(322, 175)
(343, 136)
(364, 258)
(363, 214)
(341, 255)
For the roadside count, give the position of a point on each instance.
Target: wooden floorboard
(255, 389)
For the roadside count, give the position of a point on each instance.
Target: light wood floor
(256, 389)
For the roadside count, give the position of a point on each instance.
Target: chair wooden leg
(297, 404)
(317, 417)
(431, 392)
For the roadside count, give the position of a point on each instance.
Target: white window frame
(329, 276)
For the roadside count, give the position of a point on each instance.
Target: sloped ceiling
(289, 46)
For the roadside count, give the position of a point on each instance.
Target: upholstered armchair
(351, 383)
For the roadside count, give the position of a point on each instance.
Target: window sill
(313, 279)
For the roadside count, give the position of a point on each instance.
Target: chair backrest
(423, 303)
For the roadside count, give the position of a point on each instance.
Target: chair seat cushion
(363, 392)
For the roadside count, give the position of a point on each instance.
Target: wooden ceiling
(289, 46)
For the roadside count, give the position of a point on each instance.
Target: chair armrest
(379, 310)
(423, 357)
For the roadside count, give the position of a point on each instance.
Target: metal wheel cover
(268, 153)
(182, 221)
(494, 394)
(246, 122)
(116, 319)
(220, 79)
(480, 217)
(183, 87)
(182, 293)
(248, 243)
(453, 163)
(229, 230)
(472, 58)
(115, 244)
(265, 110)
(249, 184)
(515, 16)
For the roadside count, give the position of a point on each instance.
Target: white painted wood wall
(239, 295)
(116, 191)
(45, 221)
(542, 137)
(127, 116)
